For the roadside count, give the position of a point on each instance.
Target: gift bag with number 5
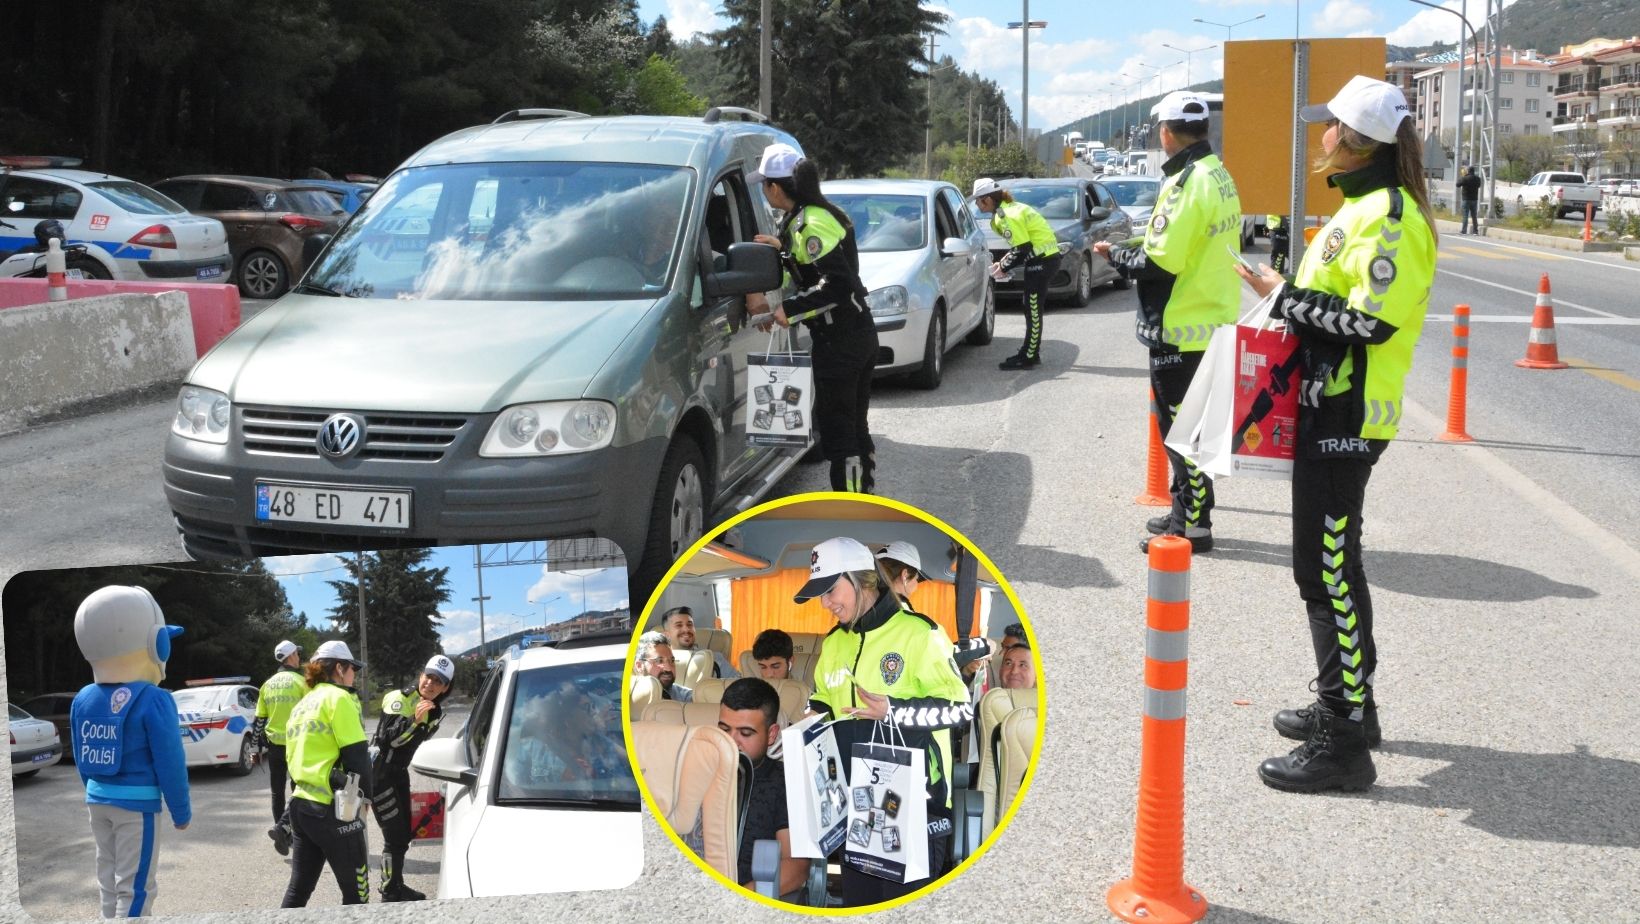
(782, 395)
(888, 808)
(816, 804)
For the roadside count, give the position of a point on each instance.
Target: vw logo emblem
(341, 436)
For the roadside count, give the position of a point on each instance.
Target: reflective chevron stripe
(1334, 538)
(1384, 412)
(1190, 333)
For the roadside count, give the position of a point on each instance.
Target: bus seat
(694, 776)
(994, 708)
(1018, 738)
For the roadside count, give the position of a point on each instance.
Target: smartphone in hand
(1241, 259)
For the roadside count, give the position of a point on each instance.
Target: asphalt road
(224, 861)
(1503, 576)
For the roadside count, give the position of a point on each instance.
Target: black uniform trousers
(1191, 489)
(843, 368)
(391, 805)
(1038, 273)
(319, 839)
(278, 779)
(1327, 498)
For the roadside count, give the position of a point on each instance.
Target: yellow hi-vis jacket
(1187, 282)
(1358, 304)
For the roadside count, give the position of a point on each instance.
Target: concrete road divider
(214, 308)
(57, 354)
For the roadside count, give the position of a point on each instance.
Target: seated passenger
(748, 715)
(655, 660)
(772, 652)
(1013, 635)
(1018, 673)
(679, 625)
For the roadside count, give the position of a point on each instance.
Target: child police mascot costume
(127, 742)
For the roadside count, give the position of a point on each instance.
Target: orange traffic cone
(1541, 352)
(1157, 469)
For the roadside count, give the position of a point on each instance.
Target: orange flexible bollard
(1588, 222)
(1458, 397)
(1156, 893)
(1157, 469)
(1541, 350)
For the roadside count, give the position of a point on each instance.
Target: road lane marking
(1527, 319)
(1531, 295)
(1578, 525)
(1555, 256)
(1474, 252)
(1600, 372)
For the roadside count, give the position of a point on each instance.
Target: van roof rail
(734, 114)
(520, 115)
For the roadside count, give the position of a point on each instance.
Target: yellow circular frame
(1007, 589)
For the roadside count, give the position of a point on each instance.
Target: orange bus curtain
(765, 602)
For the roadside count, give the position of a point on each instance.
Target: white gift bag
(888, 808)
(816, 801)
(779, 410)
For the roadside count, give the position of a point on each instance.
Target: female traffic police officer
(324, 741)
(1031, 242)
(882, 663)
(817, 245)
(1357, 304)
(409, 717)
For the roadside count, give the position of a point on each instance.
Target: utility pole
(1025, 25)
(969, 136)
(928, 131)
(765, 55)
(364, 648)
(478, 568)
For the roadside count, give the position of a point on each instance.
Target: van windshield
(513, 231)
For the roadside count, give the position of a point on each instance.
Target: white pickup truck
(1570, 192)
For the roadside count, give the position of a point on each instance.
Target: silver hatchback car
(923, 258)
(533, 329)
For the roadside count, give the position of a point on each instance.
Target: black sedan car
(1082, 212)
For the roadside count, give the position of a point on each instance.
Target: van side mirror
(311, 247)
(750, 268)
(956, 247)
(1099, 213)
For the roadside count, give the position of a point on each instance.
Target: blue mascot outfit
(127, 742)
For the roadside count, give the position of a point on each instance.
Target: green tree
(661, 90)
(845, 78)
(700, 62)
(1525, 155)
(1010, 159)
(401, 599)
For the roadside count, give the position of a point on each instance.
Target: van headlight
(550, 428)
(888, 302)
(202, 414)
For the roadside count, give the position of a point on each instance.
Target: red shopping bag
(427, 815)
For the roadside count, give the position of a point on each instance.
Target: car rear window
(563, 745)
(16, 713)
(526, 231)
(1056, 203)
(310, 201)
(137, 198)
(1566, 178)
(198, 700)
(885, 223)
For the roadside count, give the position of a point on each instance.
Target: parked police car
(216, 716)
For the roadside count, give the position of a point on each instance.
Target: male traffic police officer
(127, 742)
(1187, 288)
(279, 695)
(409, 717)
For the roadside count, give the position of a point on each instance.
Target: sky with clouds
(1085, 51)
(521, 596)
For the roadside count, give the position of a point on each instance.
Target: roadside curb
(1542, 240)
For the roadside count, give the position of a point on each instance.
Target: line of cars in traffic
(208, 228)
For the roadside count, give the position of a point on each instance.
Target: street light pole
(1025, 25)
(1229, 26)
(478, 567)
(765, 54)
(1188, 54)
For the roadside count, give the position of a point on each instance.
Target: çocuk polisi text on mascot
(127, 742)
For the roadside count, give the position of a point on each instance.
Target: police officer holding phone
(409, 717)
(325, 743)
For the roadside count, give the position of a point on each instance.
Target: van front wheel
(678, 515)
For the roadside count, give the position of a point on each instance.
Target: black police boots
(1335, 756)
(1020, 361)
(393, 887)
(1159, 525)
(1201, 540)
(281, 839)
(1296, 723)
